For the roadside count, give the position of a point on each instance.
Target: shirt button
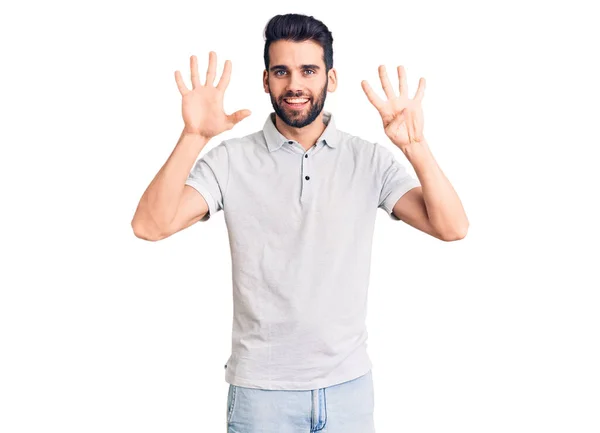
(306, 156)
(290, 142)
(306, 177)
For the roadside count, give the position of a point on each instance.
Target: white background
(103, 332)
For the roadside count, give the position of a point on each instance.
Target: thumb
(397, 121)
(239, 116)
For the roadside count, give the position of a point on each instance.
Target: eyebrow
(273, 68)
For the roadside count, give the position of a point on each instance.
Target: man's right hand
(202, 107)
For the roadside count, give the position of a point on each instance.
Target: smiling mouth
(296, 103)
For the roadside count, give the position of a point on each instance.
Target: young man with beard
(299, 200)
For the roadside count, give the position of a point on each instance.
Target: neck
(306, 136)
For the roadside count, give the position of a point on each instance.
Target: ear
(332, 76)
(265, 81)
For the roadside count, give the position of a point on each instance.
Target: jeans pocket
(231, 401)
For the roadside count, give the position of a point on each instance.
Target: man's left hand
(402, 117)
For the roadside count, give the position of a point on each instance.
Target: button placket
(306, 176)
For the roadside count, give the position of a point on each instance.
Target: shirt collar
(275, 139)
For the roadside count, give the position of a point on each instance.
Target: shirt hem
(294, 386)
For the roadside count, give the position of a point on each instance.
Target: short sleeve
(209, 176)
(395, 180)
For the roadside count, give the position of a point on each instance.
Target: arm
(434, 208)
(168, 205)
(411, 209)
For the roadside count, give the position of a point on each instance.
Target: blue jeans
(343, 408)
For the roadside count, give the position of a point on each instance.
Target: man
(299, 199)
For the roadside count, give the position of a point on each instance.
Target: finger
(194, 72)
(212, 69)
(419, 127)
(225, 77)
(410, 128)
(238, 116)
(180, 84)
(413, 127)
(402, 80)
(372, 96)
(420, 90)
(385, 83)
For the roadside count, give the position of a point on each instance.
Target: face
(297, 70)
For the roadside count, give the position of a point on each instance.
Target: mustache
(295, 96)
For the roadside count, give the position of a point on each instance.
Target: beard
(304, 116)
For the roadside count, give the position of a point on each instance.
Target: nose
(294, 85)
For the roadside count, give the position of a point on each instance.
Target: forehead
(294, 54)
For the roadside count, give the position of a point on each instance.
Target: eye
(281, 70)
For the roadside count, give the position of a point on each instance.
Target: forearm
(444, 208)
(158, 204)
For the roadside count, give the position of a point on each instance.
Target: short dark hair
(299, 28)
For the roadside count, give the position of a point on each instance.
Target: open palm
(202, 107)
(402, 117)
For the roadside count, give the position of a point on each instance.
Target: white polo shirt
(300, 227)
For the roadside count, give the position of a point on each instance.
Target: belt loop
(319, 410)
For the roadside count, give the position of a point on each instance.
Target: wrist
(193, 141)
(192, 133)
(415, 149)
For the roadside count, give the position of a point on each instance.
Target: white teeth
(296, 101)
